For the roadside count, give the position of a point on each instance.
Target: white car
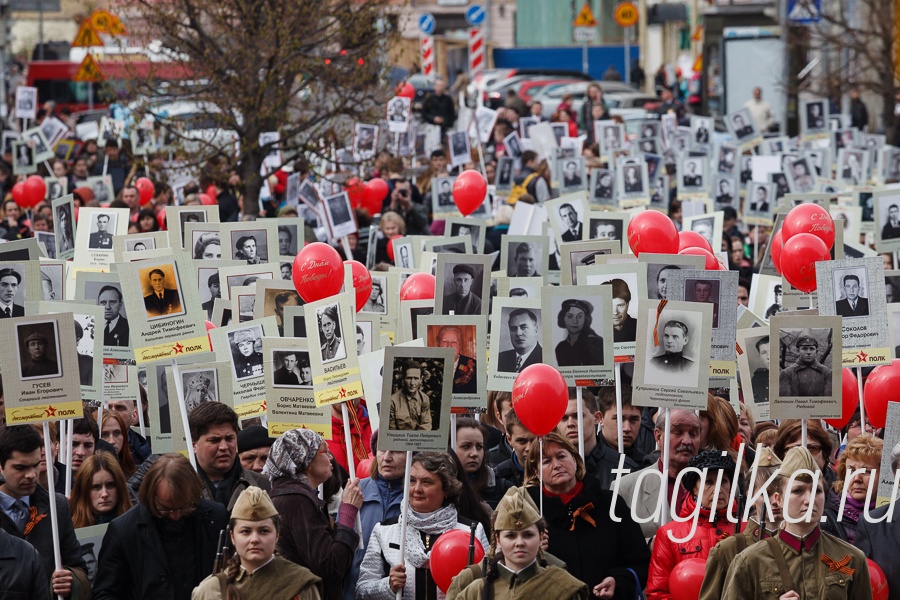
(194, 125)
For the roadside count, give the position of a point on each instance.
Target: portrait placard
(753, 365)
(850, 216)
(335, 364)
(852, 167)
(47, 241)
(853, 289)
(94, 236)
(273, 297)
(404, 255)
(567, 217)
(24, 163)
(579, 254)
(178, 217)
(203, 241)
(171, 316)
(579, 330)
(806, 370)
(201, 382)
(608, 225)
(463, 284)
(461, 244)
(442, 196)
(243, 302)
(504, 174)
(372, 370)
(759, 203)
(692, 177)
(629, 283)
(240, 345)
(41, 370)
(368, 333)
(39, 143)
(570, 173)
(88, 342)
(670, 365)
(245, 275)
(53, 280)
(410, 311)
(120, 381)
(475, 229)
(19, 282)
(633, 180)
(719, 289)
(251, 241)
(290, 403)
(515, 340)
(26, 103)
(603, 189)
(416, 397)
(887, 219)
(814, 116)
(135, 246)
(660, 268)
(64, 226)
(466, 336)
(105, 290)
(887, 477)
(158, 399)
(339, 215)
(708, 225)
(525, 255)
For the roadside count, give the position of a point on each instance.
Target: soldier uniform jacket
(410, 413)
(533, 581)
(470, 305)
(823, 568)
(803, 380)
(278, 579)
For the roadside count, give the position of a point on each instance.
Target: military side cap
(796, 459)
(253, 504)
(516, 511)
(766, 457)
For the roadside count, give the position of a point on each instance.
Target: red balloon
(692, 239)
(406, 91)
(34, 190)
(355, 190)
(146, 189)
(207, 200)
(318, 272)
(374, 193)
(540, 397)
(390, 246)
(18, 193)
(849, 399)
(469, 191)
(652, 231)
(450, 555)
(809, 218)
(418, 286)
(362, 283)
(364, 468)
(798, 260)
(777, 247)
(878, 581)
(880, 388)
(712, 263)
(686, 579)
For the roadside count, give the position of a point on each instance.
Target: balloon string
(659, 309)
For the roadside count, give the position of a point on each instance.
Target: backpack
(520, 188)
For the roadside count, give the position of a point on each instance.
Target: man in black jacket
(21, 570)
(25, 512)
(438, 107)
(165, 546)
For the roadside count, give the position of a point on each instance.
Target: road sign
(626, 14)
(476, 52)
(89, 71)
(87, 36)
(585, 17)
(475, 15)
(427, 23)
(585, 35)
(427, 53)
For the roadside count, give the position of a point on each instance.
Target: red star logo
(178, 348)
(50, 411)
(862, 356)
(343, 393)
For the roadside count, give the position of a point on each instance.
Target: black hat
(711, 460)
(464, 268)
(253, 437)
(584, 305)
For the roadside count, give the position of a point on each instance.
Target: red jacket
(667, 554)
(337, 445)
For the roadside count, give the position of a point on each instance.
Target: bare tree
(299, 68)
(855, 45)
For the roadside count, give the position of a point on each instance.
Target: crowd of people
(554, 521)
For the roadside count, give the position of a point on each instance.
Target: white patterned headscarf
(292, 453)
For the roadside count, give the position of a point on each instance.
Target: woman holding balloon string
(611, 557)
(433, 494)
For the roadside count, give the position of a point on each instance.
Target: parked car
(490, 78)
(551, 97)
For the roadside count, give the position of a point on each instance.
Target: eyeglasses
(814, 449)
(164, 511)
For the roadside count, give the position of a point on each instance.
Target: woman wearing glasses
(818, 442)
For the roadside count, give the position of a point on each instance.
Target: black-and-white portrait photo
(102, 227)
(398, 110)
(816, 119)
(340, 215)
(140, 243)
(851, 167)
(742, 125)
(570, 221)
(250, 245)
(658, 280)
(724, 188)
(463, 283)
(246, 352)
(602, 184)
(292, 369)
(26, 102)
(802, 179)
(287, 239)
(12, 292)
(472, 230)
(102, 187)
(701, 130)
(365, 140)
(889, 209)
(610, 137)
(200, 386)
(692, 174)
(513, 145)
(572, 170)
(56, 188)
(760, 197)
(38, 350)
(443, 187)
(525, 259)
(726, 161)
(190, 216)
(632, 176)
(519, 339)
(309, 195)
(705, 228)
(24, 157)
(459, 148)
(416, 394)
(704, 290)
(207, 245)
(581, 344)
(376, 302)
(504, 174)
(331, 333)
(606, 229)
(850, 293)
(804, 366)
(675, 361)
(115, 327)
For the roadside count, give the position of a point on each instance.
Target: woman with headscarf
(197, 391)
(298, 463)
(582, 345)
(433, 494)
(254, 572)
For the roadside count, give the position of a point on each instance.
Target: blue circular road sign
(427, 23)
(475, 15)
